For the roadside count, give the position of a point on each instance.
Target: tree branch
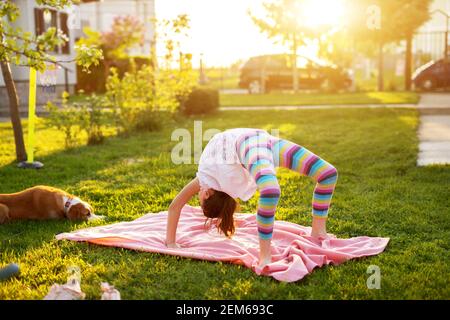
(35, 41)
(40, 59)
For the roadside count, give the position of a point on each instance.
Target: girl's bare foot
(319, 229)
(265, 261)
(319, 235)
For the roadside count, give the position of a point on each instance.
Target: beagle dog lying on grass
(42, 203)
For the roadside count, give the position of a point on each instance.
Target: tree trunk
(380, 67)
(408, 62)
(21, 154)
(294, 65)
(106, 71)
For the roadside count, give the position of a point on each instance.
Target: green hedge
(94, 82)
(201, 101)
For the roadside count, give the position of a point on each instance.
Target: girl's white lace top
(220, 168)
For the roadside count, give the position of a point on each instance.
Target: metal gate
(428, 45)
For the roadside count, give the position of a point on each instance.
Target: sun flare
(222, 31)
(323, 12)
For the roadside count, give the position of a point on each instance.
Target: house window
(46, 18)
(63, 19)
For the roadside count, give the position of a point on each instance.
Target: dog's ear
(78, 212)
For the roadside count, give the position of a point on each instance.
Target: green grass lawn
(221, 78)
(392, 81)
(284, 99)
(380, 192)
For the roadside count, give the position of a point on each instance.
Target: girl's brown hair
(221, 206)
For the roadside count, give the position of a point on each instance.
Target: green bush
(140, 96)
(67, 119)
(148, 121)
(392, 86)
(201, 101)
(90, 117)
(97, 116)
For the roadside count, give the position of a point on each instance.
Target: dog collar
(69, 202)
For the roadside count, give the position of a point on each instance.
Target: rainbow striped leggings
(260, 153)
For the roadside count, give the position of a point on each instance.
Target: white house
(98, 14)
(35, 19)
(437, 20)
(430, 38)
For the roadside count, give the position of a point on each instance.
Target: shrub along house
(35, 19)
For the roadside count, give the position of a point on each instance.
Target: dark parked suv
(432, 75)
(277, 70)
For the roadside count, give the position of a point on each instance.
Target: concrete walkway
(434, 129)
(346, 106)
(434, 103)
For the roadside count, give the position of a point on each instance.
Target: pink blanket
(295, 254)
